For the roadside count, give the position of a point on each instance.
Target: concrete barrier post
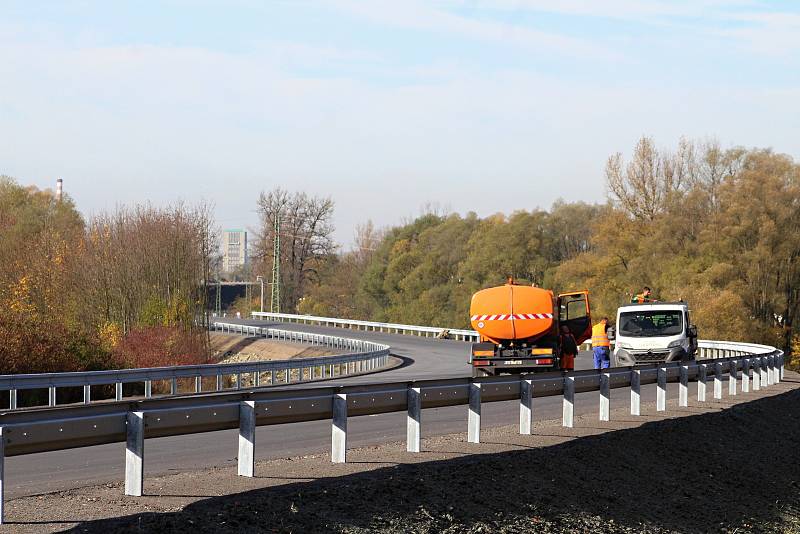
(134, 454)
(414, 419)
(525, 406)
(605, 396)
(745, 375)
(474, 418)
(683, 387)
(771, 370)
(339, 429)
(661, 391)
(734, 377)
(636, 391)
(702, 378)
(718, 380)
(247, 439)
(763, 372)
(568, 409)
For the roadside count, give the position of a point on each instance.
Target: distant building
(234, 250)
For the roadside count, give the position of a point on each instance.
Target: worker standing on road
(601, 346)
(569, 349)
(642, 297)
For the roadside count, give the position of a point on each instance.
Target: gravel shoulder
(232, 348)
(720, 466)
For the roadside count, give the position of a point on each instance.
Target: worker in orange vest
(642, 297)
(601, 346)
(569, 349)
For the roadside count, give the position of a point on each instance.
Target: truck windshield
(651, 323)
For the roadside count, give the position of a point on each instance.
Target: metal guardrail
(49, 429)
(367, 357)
(372, 326)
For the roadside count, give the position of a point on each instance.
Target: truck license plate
(512, 362)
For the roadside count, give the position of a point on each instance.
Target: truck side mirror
(611, 333)
(692, 331)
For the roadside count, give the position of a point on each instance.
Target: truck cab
(654, 332)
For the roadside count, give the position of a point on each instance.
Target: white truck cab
(654, 332)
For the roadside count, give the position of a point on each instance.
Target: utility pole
(261, 280)
(275, 304)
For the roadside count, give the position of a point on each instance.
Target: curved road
(424, 358)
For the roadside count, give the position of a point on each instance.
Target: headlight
(676, 343)
(624, 346)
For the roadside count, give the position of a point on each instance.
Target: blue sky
(385, 106)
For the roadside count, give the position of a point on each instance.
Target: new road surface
(423, 358)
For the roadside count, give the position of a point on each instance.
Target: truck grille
(650, 356)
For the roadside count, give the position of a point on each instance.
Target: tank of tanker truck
(519, 327)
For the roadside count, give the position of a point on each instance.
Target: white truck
(654, 332)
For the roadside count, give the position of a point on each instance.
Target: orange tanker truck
(519, 328)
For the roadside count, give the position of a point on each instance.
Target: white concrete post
(782, 366)
(51, 396)
(413, 420)
(568, 410)
(474, 418)
(745, 375)
(683, 387)
(762, 366)
(118, 391)
(134, 454)
(247, 438)
(87, 394)
(702, 377)
(734, 377)
(605, 396)
(661, 391)
(718, 380)
(771, 370)
(12, 400)
(636, 391)
(339, 429)
(148, 389)
(525, 406)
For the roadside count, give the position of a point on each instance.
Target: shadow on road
(726, 470)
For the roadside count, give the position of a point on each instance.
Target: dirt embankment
(722, 466)
(231, 348)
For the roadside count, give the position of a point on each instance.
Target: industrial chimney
(59, 189)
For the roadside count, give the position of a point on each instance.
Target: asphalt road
(423, 358)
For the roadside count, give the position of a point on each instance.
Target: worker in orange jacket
(643, 297)
(601, 345)
(569, 349)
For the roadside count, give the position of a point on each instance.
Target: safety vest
(599, 336)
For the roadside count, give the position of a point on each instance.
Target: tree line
(121, 289)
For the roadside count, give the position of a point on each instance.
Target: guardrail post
(734, 377)
(414, 419)
(148, 389)
(134, 454)
(568, 408)
(87, 394)
(525, 406)
(339, 429)
(605, 396)
(756, 374)
(702, 377)
(661, 391)
(745, 375)
(12, 399)
(718, 380)
(762, 366)
(51, 396)
(636, 391)
(2, 475)
(198, 384)
(247, 438)
(771, 370)
(782, 364)
(118, 391)
(173, 386)
(474, 418)
(218, 385)
(683, 387)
